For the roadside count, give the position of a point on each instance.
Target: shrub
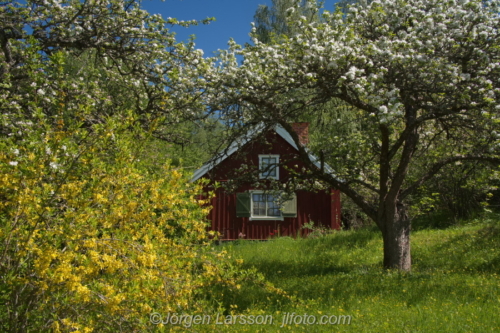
(89, 239)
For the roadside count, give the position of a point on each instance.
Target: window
(265, 206)
(268, 166)
(259, 205)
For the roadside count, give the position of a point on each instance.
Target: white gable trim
(244, 140)
(232, 149)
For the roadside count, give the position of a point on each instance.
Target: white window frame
(263, 217)
(277, 168)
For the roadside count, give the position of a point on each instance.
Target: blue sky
(233, 18)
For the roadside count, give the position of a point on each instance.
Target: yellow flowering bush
(89, 240)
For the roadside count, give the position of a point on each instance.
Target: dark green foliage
(271, 22)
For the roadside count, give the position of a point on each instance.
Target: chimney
(302, 130)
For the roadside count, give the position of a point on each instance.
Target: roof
(244, 140)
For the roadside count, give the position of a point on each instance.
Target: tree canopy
(422, 82)
(93, 237)
(133, 56)
(275, 20)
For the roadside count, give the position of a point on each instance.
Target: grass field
(454, 285)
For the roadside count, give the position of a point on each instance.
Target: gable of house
(254, 213)
(250, 136)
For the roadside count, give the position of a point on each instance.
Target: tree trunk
(396, 235)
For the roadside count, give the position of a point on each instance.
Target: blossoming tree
(421, 82)
(140, 63)
(90, 240)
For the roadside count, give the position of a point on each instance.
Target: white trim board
(244, 140)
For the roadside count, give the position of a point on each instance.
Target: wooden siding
(321, 207)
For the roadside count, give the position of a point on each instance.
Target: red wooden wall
(321, 207)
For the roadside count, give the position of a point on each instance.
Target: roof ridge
(235, 145)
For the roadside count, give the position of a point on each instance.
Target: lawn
(454, 285)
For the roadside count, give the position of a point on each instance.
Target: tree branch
(329, 178)
(439, 165)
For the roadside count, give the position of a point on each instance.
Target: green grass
(454, 285)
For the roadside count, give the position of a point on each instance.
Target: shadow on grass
(434, 220)
(344, 240)
(471, 250)
(274, 269)
(346, 289)
(304, 257)
(344, 268)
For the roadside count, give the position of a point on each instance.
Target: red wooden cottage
(251, 210)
